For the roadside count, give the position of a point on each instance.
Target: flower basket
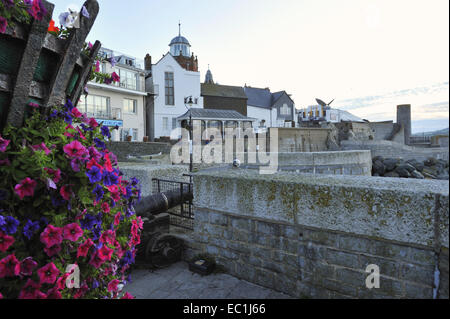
(38, 67)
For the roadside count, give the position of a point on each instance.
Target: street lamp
(188, 101)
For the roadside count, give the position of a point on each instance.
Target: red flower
(41, 147)
(115, 77)
(96, 260)
(52, 251)
(51, 236)
(61, 282)
(108, 237)
(92, 123)
(105, 208)
(30, 290)
(54, 294)
(105, 253)
(127, 295)
(72, 232)
(66, 192)
(9, 266)
(27, 266)
(48, 274)
(75, 150)
(5, 242)
(84, 248)
(113, 285)
(25, 188)
(3, 144)
(117, 218)
(76, 113)
(54, 174)
(1, 296)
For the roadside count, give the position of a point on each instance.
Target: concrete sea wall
(314, 236)
(397, 150)
(123, 149)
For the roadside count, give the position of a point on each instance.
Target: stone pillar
(404, 119)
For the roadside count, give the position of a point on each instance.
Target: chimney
(404, 119)
(148, 62)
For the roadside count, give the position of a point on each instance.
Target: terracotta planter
(129, 138)
(146, 139)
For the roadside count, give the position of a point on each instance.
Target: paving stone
(177, 282)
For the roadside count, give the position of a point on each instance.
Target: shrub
(63, 201)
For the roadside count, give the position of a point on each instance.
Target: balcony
(115, 114)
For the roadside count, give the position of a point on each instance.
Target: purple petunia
(98, 191)
(30, 229)
(10, 225)
(110, 179)
(99, 143)
(8, 3)
(105, 131)
(94, 174)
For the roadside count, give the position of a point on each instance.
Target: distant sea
(430, 106)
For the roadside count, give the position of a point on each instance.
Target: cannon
(158, 248)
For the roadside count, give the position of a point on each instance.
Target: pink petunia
(115, 77)
(53, 251)
(127, 295)
(108, 237)
(27, 266)
(52, 236)
(48, 274)
(76, 113)
(5, 162)
(105, 208)
(92, 123)
(117, 218)
(41, 147)
(113, 285)
(3, 144)
(1, 296)
(83, 249)
(96, 260)
(25, 188)
(3, 24)
(72, 232)
(75, 150)
(9, 266)
(53, 294)
(54, 174)
(5, 242)
(30, 290)
(61, 281)
(66, 192)
(105, 253)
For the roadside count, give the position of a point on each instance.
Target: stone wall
(314, 236)
(389, 149)
(302, 139)
(145, 173)
(334, 163)
(123, 149)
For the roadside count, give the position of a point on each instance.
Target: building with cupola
(169, 82)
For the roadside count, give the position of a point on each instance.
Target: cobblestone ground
(177, 282)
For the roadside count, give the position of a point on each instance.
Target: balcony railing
(115, 114)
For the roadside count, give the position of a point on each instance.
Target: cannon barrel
(162, 202)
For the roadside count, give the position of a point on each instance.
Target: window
(169, 83)
(165, 123)
(133, 132)
(285, 110)
(174, 123)
(98, 106)
(129, 106)
(128, 79)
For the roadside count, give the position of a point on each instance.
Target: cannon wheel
(163, 250)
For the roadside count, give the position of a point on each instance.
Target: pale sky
(329, 49)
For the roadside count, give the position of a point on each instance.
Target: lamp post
(188, 101)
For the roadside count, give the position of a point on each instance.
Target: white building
(169, 82)
(326, 114)
(120, 104)
(270, 109)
